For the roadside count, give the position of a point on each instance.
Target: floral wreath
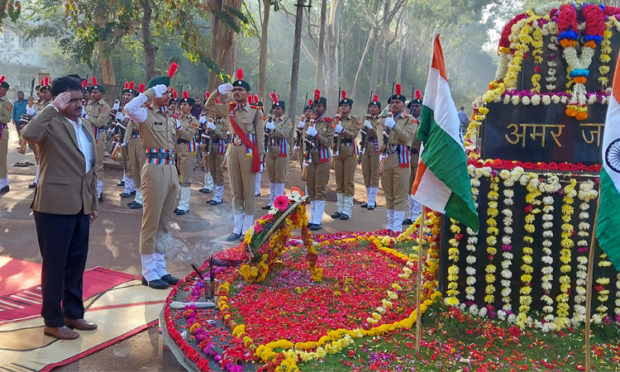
(266, 241)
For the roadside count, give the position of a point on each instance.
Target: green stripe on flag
(447, 160)
(608, 225)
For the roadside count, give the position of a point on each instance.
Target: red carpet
(117, 302)
(20, 290)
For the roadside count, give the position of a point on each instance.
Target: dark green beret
(165, 80)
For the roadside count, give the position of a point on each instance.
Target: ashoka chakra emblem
(612, 155)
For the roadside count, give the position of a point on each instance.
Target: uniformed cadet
(245, 152)
(135, 156)
(122, 121)
(186, 151)
(6, 108)
(217, 128)
(319, 137)
(280, 130)
(158, 133)
(173, 105)
(98, 113)
(398, 130)
(345, 158)
(259, 175)
(415, 110)
(298, 150)
(370, 155)
(45, 98)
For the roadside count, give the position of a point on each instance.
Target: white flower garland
(586, 194)
(492, 234)
(617, 309)
(472, 238)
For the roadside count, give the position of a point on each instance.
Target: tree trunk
(399, 62)
(375, 65)
(371, 38)
(262, 71)
(319, 81)
(223, 42)
(107, 69)
(149, 48)
(292, 103)
(332, 34)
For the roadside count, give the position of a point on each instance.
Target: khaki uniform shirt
(246, 117)
(189, 127)
(6, 108)
(98, 113)
(351, 127)
(158, 131)
(403, 132)
(283, 130)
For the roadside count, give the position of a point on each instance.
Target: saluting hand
(62, 100)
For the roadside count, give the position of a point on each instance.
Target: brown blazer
(63, 187)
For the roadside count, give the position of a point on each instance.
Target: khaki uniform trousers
(4, 147)
(125, 161)
(276, 165)
(214, 165)
(242, 180)
(136, 157)
(395, 182)
(99, 148)
(346, 162)
(185, 162)
(159, 187)
(370, 167)
(317, 178)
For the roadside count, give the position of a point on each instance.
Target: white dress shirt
(84, 143)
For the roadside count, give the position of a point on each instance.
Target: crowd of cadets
(233, 132)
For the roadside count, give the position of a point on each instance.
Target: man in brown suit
(64, 205)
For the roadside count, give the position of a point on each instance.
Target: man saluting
(64, 205)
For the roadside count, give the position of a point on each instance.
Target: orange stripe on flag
(418, 177)
(438, 62)
(616, 83)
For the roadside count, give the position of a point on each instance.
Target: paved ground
(114, 244)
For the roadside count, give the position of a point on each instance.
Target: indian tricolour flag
(608, 225)
(442, 180)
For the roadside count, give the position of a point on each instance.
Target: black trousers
(63, 242)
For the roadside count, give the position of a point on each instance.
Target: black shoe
(257, 195)
(5, 189)
(170, 279)
(134, 205)
(175, 210)
(204, 190)
(124, 195)
(314, 227)
(214, 202)
(120, 183)
(133, 193)
(181, 212)
(266, 208)
(371, 208)
(407, 221)
(336, 215)
(101, 198)
(344, 217)
(365, 205)
(233, 237)
(155, 284)
(32, 185)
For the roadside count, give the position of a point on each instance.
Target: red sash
(244, 138)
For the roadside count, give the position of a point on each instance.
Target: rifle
(336, 146)
(32, 88)
(307, 156)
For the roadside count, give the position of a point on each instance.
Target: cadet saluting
(246, 151)
(158, 134)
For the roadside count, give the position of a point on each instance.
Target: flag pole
(418, 327)
(589, 283)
